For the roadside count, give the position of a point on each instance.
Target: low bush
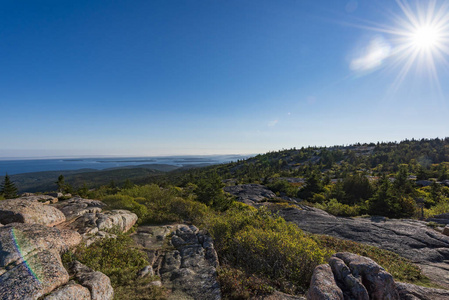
(440, 208)
(236, 284)
(120, 261)
(339, 209)
(155, 205)
(267, 246)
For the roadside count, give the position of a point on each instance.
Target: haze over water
(38, 165)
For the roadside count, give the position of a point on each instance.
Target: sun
(426, 38)
(420, 39)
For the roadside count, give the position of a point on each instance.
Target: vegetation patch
(267, 246)
(120, 261)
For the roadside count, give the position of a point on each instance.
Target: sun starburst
(421, 38)
(418, 38)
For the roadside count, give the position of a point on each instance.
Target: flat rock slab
(24, 210)
(153, 237)
(409, 238)
(250, 194)
(413, 292)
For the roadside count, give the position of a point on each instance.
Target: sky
(144, 78)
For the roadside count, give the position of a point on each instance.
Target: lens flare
(19, 239)
(419, 38)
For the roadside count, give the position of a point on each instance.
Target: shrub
(236, 284)
(266, 245)
(339, 209)
(119, 201)
(440, 208)
(154, 205)
(120, 261)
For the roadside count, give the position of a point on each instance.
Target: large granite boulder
(24, 210)
(349, 276)
(98, 284)
(363, 278)
(70, 291)
(30, 262)
(323, 285)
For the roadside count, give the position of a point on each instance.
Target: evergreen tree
(128, 184)
(8, 189)
(313, 186)
(210, 189)
(61, 184)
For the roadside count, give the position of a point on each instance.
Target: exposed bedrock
(411, 239)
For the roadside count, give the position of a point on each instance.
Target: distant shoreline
(22, 166)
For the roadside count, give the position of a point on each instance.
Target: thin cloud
(372, 56)
(273, 123)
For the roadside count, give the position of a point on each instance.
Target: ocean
(38, 165)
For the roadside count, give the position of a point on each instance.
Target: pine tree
(61, 184)
(8, 189)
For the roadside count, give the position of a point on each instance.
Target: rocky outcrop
(411, 239)
(76, 207)
(30, 251)
(30, 263)
(440, 219)
(30, 211)
(323, 285)
(70, 291)
(251, 194)
(98, 284)
(350, 276)
(86, 217)
(44, 199)
(362, 278)
(189, 270)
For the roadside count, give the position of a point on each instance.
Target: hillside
(45, 181)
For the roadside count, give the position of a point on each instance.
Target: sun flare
(421, 39)
(426, 37)
(417, 39)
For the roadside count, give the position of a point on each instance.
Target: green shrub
(266, 245)
(120, 261)
(440, 208)
(339, 209)
(119, 201)
(155, 205)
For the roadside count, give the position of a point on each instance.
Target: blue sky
(212, 77)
